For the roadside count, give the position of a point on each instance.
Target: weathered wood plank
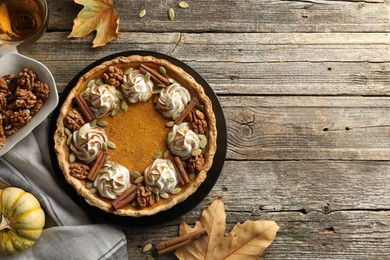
(240, 16)
(281, 64)
(295, 128)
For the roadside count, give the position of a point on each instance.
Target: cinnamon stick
(97, 166)
(156, 80)
(125, 198)
(84, 108)
(155, 74)
(181, 180)
(185, 112)
(181, 169)
(176, 242)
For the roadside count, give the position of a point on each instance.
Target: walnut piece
(197, 122)
(79, 170)
(195, 163)
(113, 76)
(15, 119)
(38, 105)
(23, 99)
(3, 138)
(145, 197)
(74, 120)
(26, 79)
(41, 90)
(3, 103)
(4, 87)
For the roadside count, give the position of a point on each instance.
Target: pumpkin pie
(136, 136)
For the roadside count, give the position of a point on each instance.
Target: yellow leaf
(97, 15)
(245, 241)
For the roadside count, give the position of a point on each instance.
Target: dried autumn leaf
(245, 241)
(97, 15)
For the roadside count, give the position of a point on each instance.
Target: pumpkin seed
(67, 132)
(183, 95)
(196, 100)
(175, 191)
(104, 146)
(93, 122)
(124, 106)
(72, 158)
(112, 89)
(203, 143)
(69, 140)
(102, 123)
(183, 4)
(164, 195)
(139, 180)
(196, 152)
(162, 70)
(103, 110)
(99, 82)
(170, 164)
(142, 13)
(147, 247)
(170, 124)
(171, 179)
(201, 136)
(171, 80)
(156, 197)
(134, 203)
(147, 77)
(111, 145)
(149, 257)
(175, 116)
(191, 176)
(115, 111)
(145, 96)
(93, 190)
(84, 129)
(135, 175)
(200, 107)
(155, 99)
(166, 154)
(85, 93)
(128, 71)
(90, 83)
(171, 14)
(155, 190)
(89, 184)
(157, 155)
(157, 91)
(114, 166)
(171, 137)
(119, 95)
(104, 169)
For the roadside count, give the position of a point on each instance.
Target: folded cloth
(69, 233)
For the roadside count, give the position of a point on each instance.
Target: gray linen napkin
(68, 233)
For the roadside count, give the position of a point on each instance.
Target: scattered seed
(104, 146)
(162, 70)
(171, 179)
(111, 145)
(104, 169)
(191, 176)
(88, 184)
(171, 137)
(134, 203)
(142, 13)
(85, 93)
(183, 4)
(112, 89)
(67, 132)
(157, 155)
(155, 190)
(166, 154)
(203, 143)
(124, 106)
(102, 123)
(119, 95)
(93, 190)
(90, 83)
(156, 197)
(176, 191)
(164, 195)
(99, 82)
(103, 110)
(170, 123)
(128, 71)
(155, 99)
(171, 80)
(147, 247)
(145, 96)
(139, 180)
(170, 165)
(157, 91)
(147, 77)
(200, 107)
(114, 166)
(196, 100)
(149, 257)
(84, 129)
(196, 152)
(115, 111)
(69, 140)
(171, 14)
(72, 158)
(93, 122)
(135, 175)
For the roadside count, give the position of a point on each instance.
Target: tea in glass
(22, 20)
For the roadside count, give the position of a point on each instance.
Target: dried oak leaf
(97, 15)
(246, 241)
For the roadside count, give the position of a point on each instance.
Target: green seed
(99, 82)
(135, 175)
(93, 123)
(170, 123)
(200, 107)
(171, 14)
(114, 166)
(128, 71)
(90, 83)
(145, 96)
(139, 180)
(191, 176)
(147, 77)
(166, 154)
(72, 158)
(102, 123)
(84, 129)
(124, 106)
(171, 179)
(115, 111)
(164, 195)
(85, 93)
(93, 190)
(196, 152)
(155, 99)
(67, 132)
(69, 140)
(103, 110)
(112, 89)
(149, 257)
(142, 13)
(183, 4)
(157, 155)
(119, 95)
(170, 165)
(157, 91)
(196, 100)
(155, 190)
(147, 247)
(203, 143)
(134, 203)
(104, 146)
(176, 191)
(171, 80)
(171, 137)
(162, 70)
(89, 184)
(111, 145)
(156, 197)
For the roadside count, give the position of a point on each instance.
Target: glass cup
(22, 21)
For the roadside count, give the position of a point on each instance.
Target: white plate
(12, 62)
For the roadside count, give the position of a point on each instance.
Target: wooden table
(305, 90)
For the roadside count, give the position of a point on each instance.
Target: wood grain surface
(304, 86)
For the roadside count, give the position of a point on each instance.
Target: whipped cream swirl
(135, 88)
(87, 142)
(161, 176)
(113, 180)
(173, 100)
(102, 99)
(182, 141)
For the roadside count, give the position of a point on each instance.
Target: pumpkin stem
(5, 224)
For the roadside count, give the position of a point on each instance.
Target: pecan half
(145, 197)
(195, 163)
(197, 122)
(79, 170)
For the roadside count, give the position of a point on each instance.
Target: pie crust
(172, 71)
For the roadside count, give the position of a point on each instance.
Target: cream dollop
(161, 176)
(135, 88)
(173, 100)
(113, 180)
(182, 141)
(87, 142)
(102, 99)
